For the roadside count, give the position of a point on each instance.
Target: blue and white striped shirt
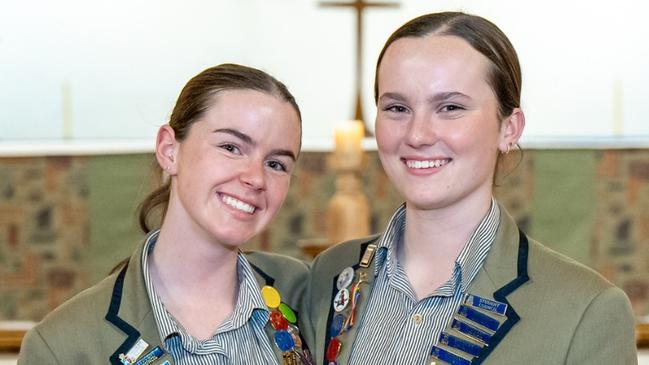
(240, 339)
(398, 329)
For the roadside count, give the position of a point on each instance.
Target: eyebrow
(443, 96)
(448, 95)
(287, 153)
(394, 96)
(248, 140)
(242, 136)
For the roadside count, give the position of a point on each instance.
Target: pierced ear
(511, 130)
(166, 147)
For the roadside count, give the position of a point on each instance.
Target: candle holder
(348, 210)
(348, 213)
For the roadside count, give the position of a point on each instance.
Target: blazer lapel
(264, 279)
(347, 338)
(130, 312)
(504, 271)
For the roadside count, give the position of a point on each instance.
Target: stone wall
(65, 221)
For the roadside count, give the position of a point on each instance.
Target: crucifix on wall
(359, 5)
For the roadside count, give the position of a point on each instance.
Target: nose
(421, 131)
(252, 175)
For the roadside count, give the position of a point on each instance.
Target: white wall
(90, 69)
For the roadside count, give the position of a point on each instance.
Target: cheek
(474, 137)
(387, 135)
(279, 189)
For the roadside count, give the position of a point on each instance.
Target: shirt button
(417, 318)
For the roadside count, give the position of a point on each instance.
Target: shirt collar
(250, 304)
(468, 262)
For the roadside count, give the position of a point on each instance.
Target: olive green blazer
(106, 320)
(559, 311)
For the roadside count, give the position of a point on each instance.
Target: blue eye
(396, 109)
(276, 165)
(230, 148)
(451, 108)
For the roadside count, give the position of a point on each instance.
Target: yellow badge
(271, 296)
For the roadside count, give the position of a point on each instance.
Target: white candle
(349, 137)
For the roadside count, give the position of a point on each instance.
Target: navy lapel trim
(269, 280)
(334, 291)
(112, 317)
(501, 296)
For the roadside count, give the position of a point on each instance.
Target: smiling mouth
(426, 164)
(237, 204)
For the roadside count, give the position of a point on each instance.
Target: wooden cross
(359, 5)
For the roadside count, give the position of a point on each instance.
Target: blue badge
(152, 356)
(471, 331)
(460, 344)
(486, 304)
(337, 324)
(479, 317)
(448, 356)
(284, 341)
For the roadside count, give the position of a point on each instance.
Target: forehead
(446, 61)
(258, 114)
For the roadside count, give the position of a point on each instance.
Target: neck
(433, 239)
(444, 231)
(186, 264)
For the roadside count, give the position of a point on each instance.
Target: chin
(233, 240)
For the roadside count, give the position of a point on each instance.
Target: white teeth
(238, 204)
(417, 164)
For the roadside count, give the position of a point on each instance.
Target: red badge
(278, 321)
(333, 349)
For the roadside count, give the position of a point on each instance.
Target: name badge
(486, 304)
(478, 317)
(448, 357)
(471, 331)
(460, 344)
(134, 353)
(152, 356)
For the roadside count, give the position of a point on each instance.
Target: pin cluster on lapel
(134, 355)
(472, 327)
(345, 303)
(287, 335)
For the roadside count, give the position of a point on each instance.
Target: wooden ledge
(10, 340)
(642, 335)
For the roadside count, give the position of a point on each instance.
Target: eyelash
(396, 108)
(282, 167)
(453, 108)
(230, 148)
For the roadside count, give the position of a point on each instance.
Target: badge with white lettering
(152, 356)
(478, 317)
(486, 304)
(460, 344)
(449, 357)
(134, 353)
(471, 331)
